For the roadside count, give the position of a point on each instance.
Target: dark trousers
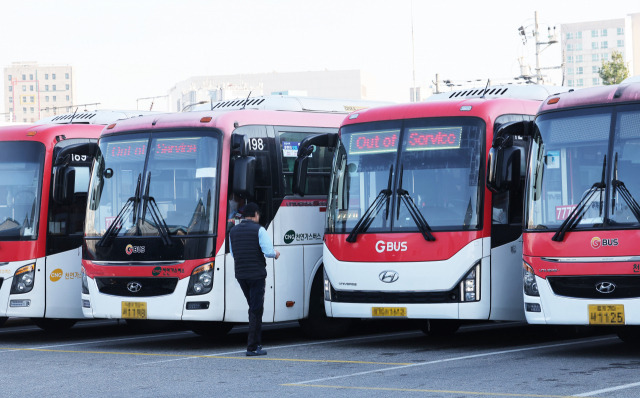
(253, 290)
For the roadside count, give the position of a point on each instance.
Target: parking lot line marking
(278, 347)
(466, 393)
(204, 356)
(605, 390)
(486, 354)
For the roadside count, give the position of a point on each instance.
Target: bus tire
(211, 329)
(3, 319)
(630, 335)
(317, 325)
(54, 325)
(440, 327)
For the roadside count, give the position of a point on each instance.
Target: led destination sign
(418, 139)
(434, 138)
(374, 142)
(184, 148)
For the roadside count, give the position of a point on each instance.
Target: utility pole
(551, 39)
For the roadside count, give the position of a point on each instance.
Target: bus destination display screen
(126, 151)
(371, 142)
(173, 149)
(425, 139)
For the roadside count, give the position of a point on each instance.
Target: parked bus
(412, 230)
(44, 171)
(581, 226)
(163, 191)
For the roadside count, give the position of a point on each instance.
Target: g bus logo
(596, 242)
(289, 236)
(55, 275)
(382, 246)
(130, 249)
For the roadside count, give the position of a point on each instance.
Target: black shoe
(256, 352)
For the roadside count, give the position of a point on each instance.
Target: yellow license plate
(134, 310)
(389, 311)
(606, 314)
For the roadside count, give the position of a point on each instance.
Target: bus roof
(627, 91)
(102, 116)
(289, 103)
(226, 121)
(533, 92)
(49, 133)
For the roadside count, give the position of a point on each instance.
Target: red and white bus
(44, 171)
(412, 231)
(159, 207)
(582, 219)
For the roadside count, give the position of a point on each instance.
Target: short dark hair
(250, 210)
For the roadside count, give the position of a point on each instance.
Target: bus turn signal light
(553, 100)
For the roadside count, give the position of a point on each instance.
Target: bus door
(299, 223)
(67, 206)
(260, 143)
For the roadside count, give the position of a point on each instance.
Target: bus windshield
(404, 174)
(584, 165)
(21, 167)
(160, 184)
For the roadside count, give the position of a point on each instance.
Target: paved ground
(108, 359)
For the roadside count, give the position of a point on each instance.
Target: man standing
(252, 244)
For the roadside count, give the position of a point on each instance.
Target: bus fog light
(19, 303)
(23, 279)
(529, 281)
(85, 282)
(470, 285)
(86, 304)
(533, 307)
(201, 280)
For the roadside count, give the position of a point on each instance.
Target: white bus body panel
(63, 284)
(506, 282)
(36, 296)
(560, 310)
(413, 276)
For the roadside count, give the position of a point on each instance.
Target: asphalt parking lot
(378, 359)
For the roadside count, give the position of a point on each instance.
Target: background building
(33, 91)
(586, 44)
(346, 84)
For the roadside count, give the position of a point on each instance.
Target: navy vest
(247, 254)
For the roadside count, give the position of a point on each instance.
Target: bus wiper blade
(156, 215)
(416, 215)
(581, 208)
(372, 211)
(116, 224)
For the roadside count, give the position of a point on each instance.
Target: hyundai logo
(605, 287)
(388, 276)
(134, 287)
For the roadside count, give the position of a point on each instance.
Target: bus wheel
(630, 335)
(440, 327)
(3, 319)
(54, 325)
(317, 325)
(211, 329)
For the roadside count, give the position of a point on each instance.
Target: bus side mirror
(503, 169)
(238, 145)
(300, 175)
(64, 180)
(244, 175)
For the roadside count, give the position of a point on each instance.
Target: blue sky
(124, 50)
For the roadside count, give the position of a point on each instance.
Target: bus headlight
(23, 279)
(201, 281)
(529, 281)
(470, 285)
(327, 286)
(85, 282)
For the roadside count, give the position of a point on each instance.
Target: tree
(614, 71)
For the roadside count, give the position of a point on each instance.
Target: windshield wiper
(116, 224)
(372, 211)
(581, 208)
(616, 185)
(414, 211)
(156, 216)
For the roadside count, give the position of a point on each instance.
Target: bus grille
(341, 296)
(148, 287)
(626, 286)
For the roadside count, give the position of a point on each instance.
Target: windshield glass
(172, 192)
(570, 154)
(435, 163)
(21, 168)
